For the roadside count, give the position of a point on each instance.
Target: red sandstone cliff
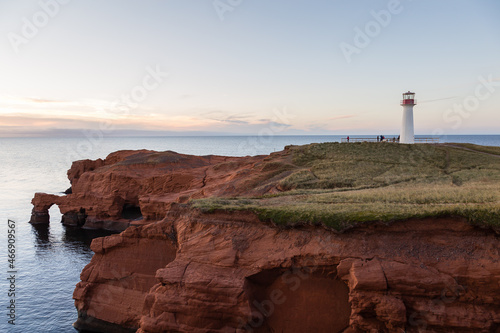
(181, 270)
(229, 272)
(136, 187)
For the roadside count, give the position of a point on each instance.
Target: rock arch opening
(55, 214)
(298, 300)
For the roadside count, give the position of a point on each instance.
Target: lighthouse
(407, 133)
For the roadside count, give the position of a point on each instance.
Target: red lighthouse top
(409, 98)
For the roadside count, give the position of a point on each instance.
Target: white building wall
(407, 134)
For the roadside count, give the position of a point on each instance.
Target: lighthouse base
(407, 134)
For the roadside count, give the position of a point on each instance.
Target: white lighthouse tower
(407, 133)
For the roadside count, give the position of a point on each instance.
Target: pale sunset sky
(182, 67)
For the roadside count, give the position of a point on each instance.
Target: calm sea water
(49, 259)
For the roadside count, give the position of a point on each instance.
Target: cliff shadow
(74, 239)
(299, 299)
(131, 212)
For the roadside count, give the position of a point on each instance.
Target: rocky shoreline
(175, 268)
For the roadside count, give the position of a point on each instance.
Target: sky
(282, 67)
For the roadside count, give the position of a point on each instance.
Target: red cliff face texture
(177, 269)
(229, 272)
(136, 187)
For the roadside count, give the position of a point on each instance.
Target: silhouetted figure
(347, 139)
(378, 138)
(398, 137)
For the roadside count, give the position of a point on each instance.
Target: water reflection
(73, 239)
(78, 239)
(42, 233)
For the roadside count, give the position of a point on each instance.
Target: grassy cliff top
(343, 184)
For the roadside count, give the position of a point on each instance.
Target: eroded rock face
(230, 272)
(137, 187)
(176, 269)
(110, 296)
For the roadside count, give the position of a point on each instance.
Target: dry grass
(340, 185)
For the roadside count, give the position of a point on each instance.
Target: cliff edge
(317, 238)
(137, 187)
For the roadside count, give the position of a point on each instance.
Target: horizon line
(225, 135)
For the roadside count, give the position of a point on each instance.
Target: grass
(152, 158)
(341, 185)
(484, 149)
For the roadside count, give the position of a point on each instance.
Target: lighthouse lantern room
(407, 133)
(408, 99)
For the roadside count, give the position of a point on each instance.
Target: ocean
(48, 259)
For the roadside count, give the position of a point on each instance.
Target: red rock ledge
(182, 270)
(137, 187)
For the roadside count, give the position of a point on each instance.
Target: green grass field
(343, 184)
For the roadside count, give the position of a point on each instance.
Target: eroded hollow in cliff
(131, 212)
(306, 299)
(74, 218)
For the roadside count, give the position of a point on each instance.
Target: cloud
(14, 105)
(41, 100)
(276, 124)
(226, 117)
(64, 133)
(36, 121)
(13, 123)
(232, 120)
(345, 116)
